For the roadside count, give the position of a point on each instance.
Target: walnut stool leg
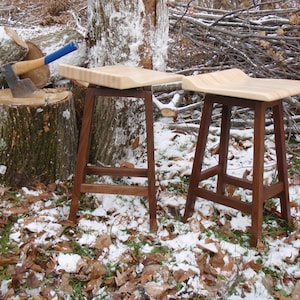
(83, 152)
(198, 160)
(223, 148)
(281, 160)
(258, 171)
(150, 160)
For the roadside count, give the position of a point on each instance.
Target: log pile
(263, 43)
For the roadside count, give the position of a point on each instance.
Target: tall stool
(115, 81)
(234, 88)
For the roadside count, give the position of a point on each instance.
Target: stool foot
(153, 226)
(73, 209)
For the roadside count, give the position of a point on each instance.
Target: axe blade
(19, 87)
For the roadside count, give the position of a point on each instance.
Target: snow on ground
(207, 258)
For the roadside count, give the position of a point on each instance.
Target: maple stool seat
(115, 81)
(234, 88)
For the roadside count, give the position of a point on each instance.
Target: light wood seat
(118, 77)
(115, 81)
(234, 88)
(235, 83)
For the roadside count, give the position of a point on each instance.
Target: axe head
(19, 87)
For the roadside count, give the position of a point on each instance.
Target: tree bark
(38, 137)
(132, 33)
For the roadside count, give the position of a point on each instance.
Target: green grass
(83, 251)
(5, 242)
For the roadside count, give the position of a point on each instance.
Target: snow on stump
(38, 137)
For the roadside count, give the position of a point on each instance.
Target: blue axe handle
(70, 47)
(29, 65)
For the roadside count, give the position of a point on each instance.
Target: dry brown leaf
(209, 279)
(120, 278)
(50, 265)
(3, 222)
(217, 260)
(65, 247)
(264, 44)
(246, 174)
(128, 288)
(209, 245)
(165, 274)
(196, 225)
(294, 19)
(65, 284)
(149, 272)
(126, 164)
(152, 258)
(296, 291)
(16, 210)
(32, 281)
(36, 268)
(177, 158)
(215, 150)
(156, 289)
(183, 275)
(47, 293)
(12, 259)
(37, 297)
(97, 270)
(3, 190)
(136, 142)
(93, 284)
(104, 241)
(253, 265)
(33, 198)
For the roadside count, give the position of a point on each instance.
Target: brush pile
(262, 42)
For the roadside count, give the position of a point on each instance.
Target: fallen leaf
(217, 260)
(11, 259)
(253, 265)
(126, 164)
(183, 275)
(65, 284)
(136, 142)
(32, 281)
(296, 291)
(149, 272)
(156, 289)
(65, 246)
(16, 210)
(97, 270)
(104, 241)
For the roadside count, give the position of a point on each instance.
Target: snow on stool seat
(115, 81)
(235, 88)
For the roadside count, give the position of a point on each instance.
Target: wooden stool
(125, 82)
(234, 88)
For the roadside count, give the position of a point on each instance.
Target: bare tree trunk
(132, 33)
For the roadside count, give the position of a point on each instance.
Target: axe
(25, 87)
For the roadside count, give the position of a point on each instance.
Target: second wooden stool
(234, 88)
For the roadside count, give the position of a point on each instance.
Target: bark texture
(132, 33)
(38, 137)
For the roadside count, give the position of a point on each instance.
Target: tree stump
(38, 137)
